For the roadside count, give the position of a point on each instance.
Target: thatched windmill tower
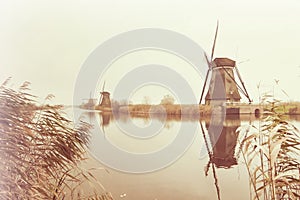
(223, 86)
(104, 98)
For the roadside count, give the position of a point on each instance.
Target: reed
(40, 149)
(271, 152)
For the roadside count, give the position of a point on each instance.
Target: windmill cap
(105, 93)
(219, 62)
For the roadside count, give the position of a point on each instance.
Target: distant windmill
(222, 86)
(89, 103)
(104, 98)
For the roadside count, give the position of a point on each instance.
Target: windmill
(104, 98)
(89, 103)
(223, 85)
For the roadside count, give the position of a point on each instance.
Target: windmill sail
(214, 44)
(206, 77)
(103, 86)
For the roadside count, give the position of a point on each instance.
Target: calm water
(195, 175)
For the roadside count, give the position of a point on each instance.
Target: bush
(167, 100)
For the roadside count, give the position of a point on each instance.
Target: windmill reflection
(220, 141)
(105, 118)
(89, 115)
(223, 139)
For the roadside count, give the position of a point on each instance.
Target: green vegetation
(167, 100)
(171, 110)
(288, 108)
(271, 152)
(40, 150)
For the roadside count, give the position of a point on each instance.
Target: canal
(209, 167)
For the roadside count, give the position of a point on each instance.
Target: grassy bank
(146, 110)
(170, 110)
(292, 108)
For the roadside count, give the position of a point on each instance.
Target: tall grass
(39, 149)
(271, 152)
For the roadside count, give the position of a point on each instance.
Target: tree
(167, 100)
(146, 100)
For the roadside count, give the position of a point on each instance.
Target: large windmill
(223, 86)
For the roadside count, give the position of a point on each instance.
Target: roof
(105, 93)
(218, 62)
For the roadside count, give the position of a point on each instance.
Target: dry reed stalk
(39, 148)
(272, 156)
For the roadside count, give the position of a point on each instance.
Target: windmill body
(222, 86)
(105, 99)
(104, 102)
(89, 104)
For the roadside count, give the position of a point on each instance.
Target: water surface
(211, 168)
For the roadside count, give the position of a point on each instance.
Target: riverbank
(194, 111)
(205, 110)
(174, 110)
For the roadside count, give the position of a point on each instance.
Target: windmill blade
(204, 86)
(103, 86)
(214, 44)
(243, 61)
(205, 81)
(242, 82)
(208, 63)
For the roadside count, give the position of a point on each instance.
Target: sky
(47, 42)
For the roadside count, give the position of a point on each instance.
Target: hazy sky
(46, 42)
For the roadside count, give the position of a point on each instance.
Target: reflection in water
(89, 115)
(105, 118)
(210, 155)
(219, 133)
(223, 141)
(220, 143)
(222, 171)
